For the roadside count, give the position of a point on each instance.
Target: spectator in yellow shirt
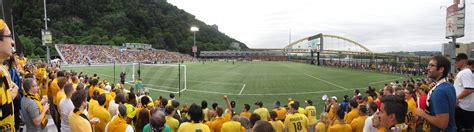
(246, 112)
(77, 120)
(196, 114)
(233, 125)
(170, 121)
(295, 121)
(217, 123)
(278, 126)
(101, 113)
(280, 111)
(411, 115)
(310, 112)
(354, 113)
(323, 123)
(339, 125)
(358, 123)
(261, 111)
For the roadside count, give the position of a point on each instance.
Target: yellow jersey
(411, 114)
(311, 114)
(331, 113)
(281, 113)
(95, 88)
(357, 124)
(92, 106)
(216, 125)
(370, 99)
(263, 113)
(351, 115)
(245, 114)
(296, 122)
(301, 111)
(6, 113)
(193, 127)
(173, 123)
(320, 127)
(277, 125)
(130, 110)
(104, 117)
(60, 95)
(205, 112)
(54, 87)
(340, 128)
(232, 126)
(78, 123)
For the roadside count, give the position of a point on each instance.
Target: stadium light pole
(194, 29)
(46, 29)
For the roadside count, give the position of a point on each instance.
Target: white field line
(242, 89)
(386, 80)
(326, 81)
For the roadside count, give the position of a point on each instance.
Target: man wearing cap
(464, 85)
(310, 112)
(261, 111)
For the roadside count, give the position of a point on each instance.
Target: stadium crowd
(84, 54)
(415, 71)
(82, 103)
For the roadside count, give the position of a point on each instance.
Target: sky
(380, 25)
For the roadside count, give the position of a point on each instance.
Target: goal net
(156, 77)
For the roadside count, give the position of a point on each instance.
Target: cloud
(401, 25)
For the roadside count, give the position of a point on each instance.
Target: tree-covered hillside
(113, 22)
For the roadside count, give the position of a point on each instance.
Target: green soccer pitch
(246, 82)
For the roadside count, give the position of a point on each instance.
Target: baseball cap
(461, 56)
(334, 97)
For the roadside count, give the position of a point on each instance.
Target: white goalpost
(147, 68)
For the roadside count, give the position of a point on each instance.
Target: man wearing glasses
(441, 102)
(8, 89)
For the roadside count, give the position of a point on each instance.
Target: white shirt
(368, 127)
(66, 107)
(465, 79)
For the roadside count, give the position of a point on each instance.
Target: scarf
(37, 100)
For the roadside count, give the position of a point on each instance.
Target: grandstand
(99, 54)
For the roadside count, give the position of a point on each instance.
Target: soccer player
(261, 111)
(296, 122)
(441, 104)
